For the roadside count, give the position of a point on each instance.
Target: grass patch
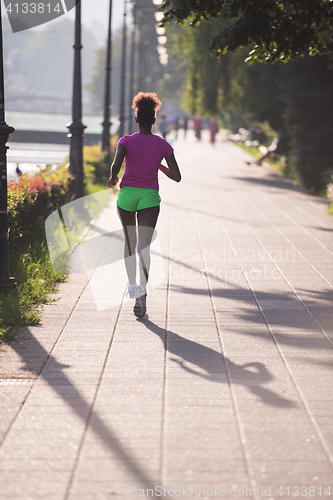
(36, 279)
(30, 200)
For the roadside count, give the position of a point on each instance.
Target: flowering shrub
(27, 184)
(31, 199)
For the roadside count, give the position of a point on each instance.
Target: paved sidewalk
(226, 385)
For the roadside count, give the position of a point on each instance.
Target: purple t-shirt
(144, 154)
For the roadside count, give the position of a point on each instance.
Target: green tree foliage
(202, 70)
(241, 94)
(296, 97)
(169, 87)
(271, 29)
(307, 95)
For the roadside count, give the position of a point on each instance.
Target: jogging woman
(138, 200)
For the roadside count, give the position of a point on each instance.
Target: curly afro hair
(146, 104)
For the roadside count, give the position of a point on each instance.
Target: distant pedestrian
(185, 125)
(197, 126)
(138, 200)
(213, 128)
(176, 126)
(163, 126)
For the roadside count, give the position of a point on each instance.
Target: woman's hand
(116, 165)
(113, 181)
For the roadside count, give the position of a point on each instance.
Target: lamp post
(6, 282)
(123, 79)
(141, 57)
(107, 99)
(76, 128)
(132, 71)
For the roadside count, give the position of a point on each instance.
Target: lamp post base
(8, 284)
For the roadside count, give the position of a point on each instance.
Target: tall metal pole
(6, 282)
(76, 128)
(107, 99)
(132, 71)
(123, 79)
(141, 58)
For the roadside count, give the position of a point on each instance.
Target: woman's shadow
(209, 363)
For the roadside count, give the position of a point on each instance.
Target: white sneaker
(131, 291)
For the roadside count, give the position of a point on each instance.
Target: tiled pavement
(224, 389)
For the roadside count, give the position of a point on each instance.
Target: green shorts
(133, 199)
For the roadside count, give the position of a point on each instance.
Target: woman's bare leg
(128, 221)
(147, 219)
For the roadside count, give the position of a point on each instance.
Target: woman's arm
(116, 165)
(172, 170)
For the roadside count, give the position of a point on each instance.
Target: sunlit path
(225, 386)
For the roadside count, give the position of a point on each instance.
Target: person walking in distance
(138, 201)
(197, 126)
(163, 126)
(213, 129)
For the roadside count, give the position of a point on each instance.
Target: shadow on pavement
(326, 229)
(76, 401)
(282, 313)
(210, 362)
(273, 180)
(201, 212)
